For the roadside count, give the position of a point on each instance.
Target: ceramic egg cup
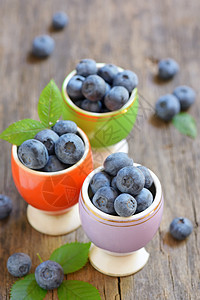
(118, 242)
(107, 132)
(52, 196)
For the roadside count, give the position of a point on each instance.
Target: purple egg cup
(118, 242)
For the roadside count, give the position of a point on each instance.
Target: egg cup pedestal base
(54, 224)
(117, 266)
(100, 154)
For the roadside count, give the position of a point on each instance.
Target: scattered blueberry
(167, 107)
(33, 154)
(144, 200)
(94, 88)
(130, 180)
(69, 148)
(115, 161)
(167, 68)
(5, 206)
(48, 137)
(49, 275)
(43, 46)
(99, 180)
(60, 20)
(108, 72)
(104, 199)
(147, 175)
(93, 106)
(65, 126)
(127, 79)
(54, 165)
(180, 228)
(186, 96)
(74, 87)
(86, 67)
(19, 264)
(116, 98)
(125, 205)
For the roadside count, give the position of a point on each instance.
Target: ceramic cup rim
(67, 99)
(145, 213)
(65, 171)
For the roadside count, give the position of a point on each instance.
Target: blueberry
(5, 206)
(114, 183)
(54, 165)
(74, 87)
(91, 105)
(43, 46)
(108, 72)
(116, 98)
(48, 137)
(60, 20)
(104, 199)
(167, 107)
(69, 148)
(65, 126)
(186, 96)
(78, 103)
(147, 175)
(130, 180)
(86, 67)
(180, 228)
(125, 205)
(127, 79)
(108, 88)
(167, 68)
(49, 275)
(115, 161)
(33, 154)
(144, 200)
(19, 264)
(99, 180)
(94, 88)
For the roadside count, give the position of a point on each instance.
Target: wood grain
(134, 35)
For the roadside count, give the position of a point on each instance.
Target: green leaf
(77, 290)
(50, 104)
(186, 124)
(22, 130)
(71, 257)
(27, 289)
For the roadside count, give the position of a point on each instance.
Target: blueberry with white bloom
(167, 106)
(186, 96)
(43, 46)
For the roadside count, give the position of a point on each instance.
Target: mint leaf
(50, 104)
(186, 124)
(75, 290)
(71, 257)
(27, 289)
(20, 131)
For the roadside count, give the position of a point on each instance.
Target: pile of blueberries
(101, 89)
(169, 105)
(121, 188)
(54, 149)
(49, 274)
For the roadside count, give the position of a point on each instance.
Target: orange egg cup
(52, 196)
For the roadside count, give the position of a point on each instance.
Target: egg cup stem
(113, 265)
(54, 224)
(100, 154)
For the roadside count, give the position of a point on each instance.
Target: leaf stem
(38, 255)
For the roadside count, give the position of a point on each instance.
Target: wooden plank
(134, 35)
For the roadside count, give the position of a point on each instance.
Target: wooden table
(134, 35)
